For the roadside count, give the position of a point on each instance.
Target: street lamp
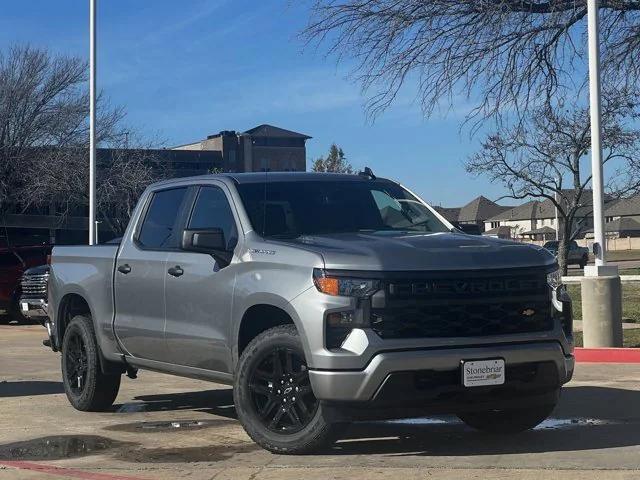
(601, 289)
(92, 122)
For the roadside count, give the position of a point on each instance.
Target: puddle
(548, 424)
(567, 423)
(170, 426)
(424, 421)
(57, 447)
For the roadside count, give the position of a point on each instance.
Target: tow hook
(132, 372)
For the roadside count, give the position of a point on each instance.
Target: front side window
(291, 209)
(212, 210)
(157, 230)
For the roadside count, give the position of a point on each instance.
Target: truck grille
(34, 285)
(464, 304)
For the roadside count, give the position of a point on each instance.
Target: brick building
(261, 148)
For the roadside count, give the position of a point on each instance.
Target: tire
(583, 262)
(507, 421)
(87, 388)
(263, 391)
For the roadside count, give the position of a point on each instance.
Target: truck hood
(399, 251)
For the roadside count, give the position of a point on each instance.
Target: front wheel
(87, 388)
(507, 421)
(583, 262)
(273, 395)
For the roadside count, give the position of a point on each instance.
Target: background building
(262, 148)
(474, 213)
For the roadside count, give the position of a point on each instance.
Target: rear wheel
(87, 388)
(507, 421)
(273, 395)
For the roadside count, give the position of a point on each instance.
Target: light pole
(601, 289)
(92, 122)
(600, 245)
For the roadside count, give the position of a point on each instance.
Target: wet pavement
(167, 427)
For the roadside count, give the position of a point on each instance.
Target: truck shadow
(216, 402)
(30, 387)
(587, 418)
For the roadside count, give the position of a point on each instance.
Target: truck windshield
(292, 209)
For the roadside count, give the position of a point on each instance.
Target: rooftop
(479, 209)
(624, 207)
(266, 130)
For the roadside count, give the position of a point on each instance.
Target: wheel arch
(262, 316)
(70, 306)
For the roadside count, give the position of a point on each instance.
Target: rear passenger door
(141, 274)
(199, 299)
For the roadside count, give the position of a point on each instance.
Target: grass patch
(630, 301)
(617, 255)
(630, 338)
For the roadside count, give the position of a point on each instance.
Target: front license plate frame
(483, 372)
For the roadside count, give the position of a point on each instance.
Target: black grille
(34, 285)
(465, 304)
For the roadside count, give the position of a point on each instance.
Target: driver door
(199, 290)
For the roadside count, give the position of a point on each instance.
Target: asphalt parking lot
(167, 427)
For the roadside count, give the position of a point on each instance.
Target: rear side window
(157, 230)
(212, 210)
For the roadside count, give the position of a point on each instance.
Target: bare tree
(60, 177)
(43, 103)
(513, 54)
(335, 162)
(44, 141)
(536, 158)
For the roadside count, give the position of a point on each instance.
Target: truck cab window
(212, 210)
(157, 230)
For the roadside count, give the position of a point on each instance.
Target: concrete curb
(607, 355)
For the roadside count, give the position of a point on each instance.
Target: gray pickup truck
(323, 299)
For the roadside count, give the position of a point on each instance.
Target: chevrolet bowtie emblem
(528, 312)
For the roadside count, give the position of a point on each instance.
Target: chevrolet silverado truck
(323, 299)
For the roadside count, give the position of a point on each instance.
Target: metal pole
(557, 222)
(596, 146)
(92, 122)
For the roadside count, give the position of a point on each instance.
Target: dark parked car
(577, 255)
(13, 263)
(33, 298)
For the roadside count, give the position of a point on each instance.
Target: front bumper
(35, 308)
(381, 382)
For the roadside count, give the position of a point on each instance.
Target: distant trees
(335, 162)
(44, 135)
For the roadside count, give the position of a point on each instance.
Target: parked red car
(13, 262)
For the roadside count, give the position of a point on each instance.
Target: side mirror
(205, 241)
(209, 241)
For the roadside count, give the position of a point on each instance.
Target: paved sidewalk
(167, 427)
(577, 325)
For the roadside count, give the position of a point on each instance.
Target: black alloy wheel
(281, 393)
(77, 362)
(88, 388)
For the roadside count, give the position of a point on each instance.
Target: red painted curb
(64, 472)
(607, 355)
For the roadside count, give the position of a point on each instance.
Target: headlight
(344, 286)
(554, 279)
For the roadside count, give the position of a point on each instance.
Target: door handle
(126, 268)
(175, 271)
